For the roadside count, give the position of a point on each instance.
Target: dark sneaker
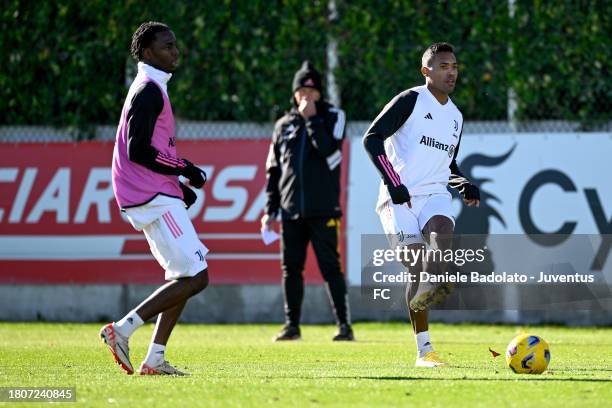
(288, 333)
(345, 333)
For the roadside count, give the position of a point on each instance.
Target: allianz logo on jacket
(432, 142)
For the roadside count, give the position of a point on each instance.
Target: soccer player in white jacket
(413, 143)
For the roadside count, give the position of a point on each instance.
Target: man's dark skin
(440, 76)
(169, 300)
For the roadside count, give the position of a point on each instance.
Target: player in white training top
(413, 143)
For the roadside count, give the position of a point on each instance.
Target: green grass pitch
(238, 365)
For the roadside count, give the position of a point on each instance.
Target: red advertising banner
(59, 222)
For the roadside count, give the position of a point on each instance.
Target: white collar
(159, 76)
(433, 97)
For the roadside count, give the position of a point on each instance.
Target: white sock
(423, 343)
(129, 324)
(155, 354)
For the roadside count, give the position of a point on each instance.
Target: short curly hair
(144, 36)
(433, 50)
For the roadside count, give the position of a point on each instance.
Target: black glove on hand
(195, 175)
(189, 196)
(469, 192)
(399, 194)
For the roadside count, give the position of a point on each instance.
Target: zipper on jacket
(303, 137)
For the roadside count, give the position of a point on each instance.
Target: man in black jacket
(303, 185)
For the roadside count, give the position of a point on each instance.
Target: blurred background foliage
(67, 63)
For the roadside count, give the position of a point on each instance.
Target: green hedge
(66, 61)
(65, 65)
(561, 65)
(382, 43)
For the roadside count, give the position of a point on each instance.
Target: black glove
(189, 196)
(399, 194)
(195, 175)
(469, 192)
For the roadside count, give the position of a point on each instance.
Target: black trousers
(324, 234)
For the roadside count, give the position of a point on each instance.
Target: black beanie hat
(307, 77)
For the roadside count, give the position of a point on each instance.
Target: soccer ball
(528, 354)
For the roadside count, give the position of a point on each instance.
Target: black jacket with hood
(303, 165)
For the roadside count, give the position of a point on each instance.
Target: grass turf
(238, 365)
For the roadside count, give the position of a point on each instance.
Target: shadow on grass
(526, 378)
(562, 371)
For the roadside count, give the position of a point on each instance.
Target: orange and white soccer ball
(528, 354)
